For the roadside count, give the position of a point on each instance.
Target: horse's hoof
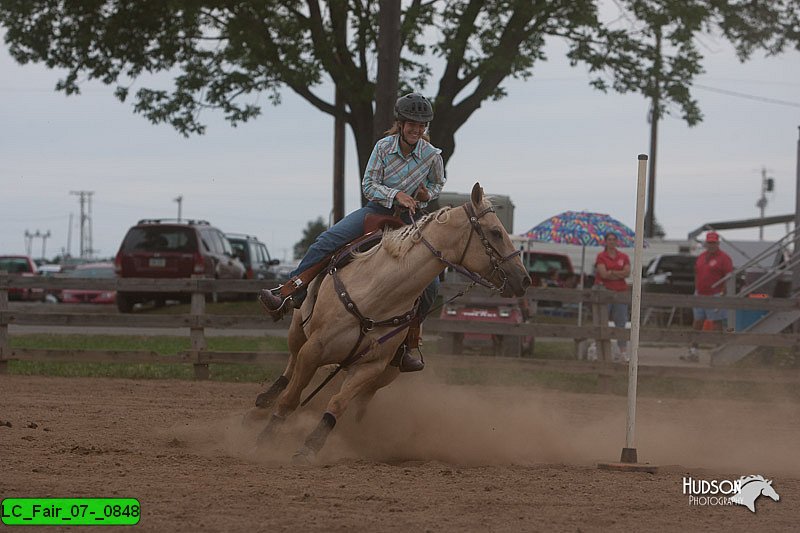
(304, 456)
(265, 400)
(267, 435)
(254, 416)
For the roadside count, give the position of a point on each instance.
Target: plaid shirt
(389, 171)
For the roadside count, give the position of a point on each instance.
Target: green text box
(70, 511)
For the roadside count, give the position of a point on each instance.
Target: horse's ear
(477, 194)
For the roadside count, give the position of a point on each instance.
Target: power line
(748, 96)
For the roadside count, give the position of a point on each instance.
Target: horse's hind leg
(362, 400)
(360, 379)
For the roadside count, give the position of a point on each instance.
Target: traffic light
(770, 184)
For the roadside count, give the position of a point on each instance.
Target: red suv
(162, 248)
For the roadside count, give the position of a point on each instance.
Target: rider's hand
(422, 193)
(406, 201)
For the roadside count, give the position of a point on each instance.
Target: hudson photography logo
(743, 491)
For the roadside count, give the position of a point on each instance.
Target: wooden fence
(197, 321)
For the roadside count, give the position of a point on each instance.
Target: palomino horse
(382, 284)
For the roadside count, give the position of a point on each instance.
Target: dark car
(670, 273)
(254, 255)
(21, 265)
(162, 248)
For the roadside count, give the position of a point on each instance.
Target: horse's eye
(495, 233)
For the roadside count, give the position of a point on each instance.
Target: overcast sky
(553, 144)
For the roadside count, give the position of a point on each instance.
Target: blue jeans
(347, 230)
(618, 313)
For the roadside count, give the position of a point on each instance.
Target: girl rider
(404, 170)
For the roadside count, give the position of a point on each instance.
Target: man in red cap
(710, 267)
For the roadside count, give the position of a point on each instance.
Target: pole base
(628, 455)
(628, 463)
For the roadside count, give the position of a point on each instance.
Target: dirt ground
(427, 457)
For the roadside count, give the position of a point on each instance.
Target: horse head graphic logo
(751, 488)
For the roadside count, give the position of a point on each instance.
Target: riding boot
(276, 302)
(405, 362)
(402, 358)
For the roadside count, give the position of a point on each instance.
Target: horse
(751, 488)
(332, 325)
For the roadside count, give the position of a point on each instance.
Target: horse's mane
(744, 480)
(399, 241)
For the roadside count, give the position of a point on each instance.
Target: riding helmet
(413, 106)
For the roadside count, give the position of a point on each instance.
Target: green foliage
(227, 55)
(312, 230)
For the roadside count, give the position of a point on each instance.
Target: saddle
(373, 222)
(373, 232)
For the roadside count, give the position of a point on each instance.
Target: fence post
(600, 318)
(603, 343)
(5, 349)
(196, 331)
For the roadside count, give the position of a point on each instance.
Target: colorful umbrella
(582, 228)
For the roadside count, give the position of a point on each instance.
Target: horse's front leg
(266, 399)
(296, 339)
(306, 364)
(360, 379)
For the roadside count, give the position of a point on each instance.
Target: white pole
(580, 304)
(636, 304)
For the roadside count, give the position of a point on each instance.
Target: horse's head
(489, 250)
(768, 491)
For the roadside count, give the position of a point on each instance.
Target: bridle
(495, 257)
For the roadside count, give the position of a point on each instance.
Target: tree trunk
(388, 66)
(361, 123)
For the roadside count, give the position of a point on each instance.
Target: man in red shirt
(613, 267)
(710, 267)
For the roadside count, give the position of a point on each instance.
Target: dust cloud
(417, 418)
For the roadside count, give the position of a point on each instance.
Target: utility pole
(85, 197)
(655, 114)
(29, 241)
(179, 199)
(69, 239)
(44, 237)
(338, 158)
(767, 185)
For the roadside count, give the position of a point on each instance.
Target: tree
(225, 54)
(313, 229)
